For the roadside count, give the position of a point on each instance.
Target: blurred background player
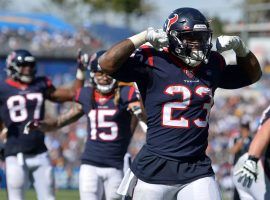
(239, 145)
(22, 97)
(177, 85)
(251, 172)
(108, 107)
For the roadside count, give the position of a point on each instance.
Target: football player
(108, 107)
(177, 78)
(251, 172)
(22, 97)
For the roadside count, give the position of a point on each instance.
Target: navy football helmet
(190, 36)
(18, 59)
(95, 75)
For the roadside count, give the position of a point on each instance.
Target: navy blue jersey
(177, 103)
(109, 130)
(20, 104)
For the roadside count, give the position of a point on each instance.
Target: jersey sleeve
(129, 94)
(137, 67)
(233, 76)
(84, 96)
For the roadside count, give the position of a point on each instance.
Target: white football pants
(93, 181)
(18, 171)
(203, 189)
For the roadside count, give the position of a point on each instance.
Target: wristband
(80, 75)
(138, 39)
(253, 158)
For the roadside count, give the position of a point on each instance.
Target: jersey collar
(179, 62)
(16, 84)
(102, 98)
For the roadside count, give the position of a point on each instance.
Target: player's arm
(139, 116)
(118, 54)
(83, 61)
(63, 94)
(247, 70)
(261, 140)
(3, 132)
(71, 116)
(249, 171)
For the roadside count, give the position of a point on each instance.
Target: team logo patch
(171, 21)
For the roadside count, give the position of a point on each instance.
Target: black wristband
(253, 158)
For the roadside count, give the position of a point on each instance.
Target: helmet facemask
(192, 47)
(101, 85)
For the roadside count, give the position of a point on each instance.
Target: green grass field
(60, 195)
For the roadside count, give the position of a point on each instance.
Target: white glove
(248, 173)
(83, 60)
(157, 38)
(30, 126)
(225, 43)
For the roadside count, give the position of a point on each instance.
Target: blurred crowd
(47, 44)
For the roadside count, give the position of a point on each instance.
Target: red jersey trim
(78, 92)
(16, 84)
(130, 93)
(149, 54)
(107, 97)
(178, 61)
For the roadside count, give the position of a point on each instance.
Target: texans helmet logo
(171, 21)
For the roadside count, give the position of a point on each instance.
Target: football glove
(83, 60)
(225, 43)
(31, 126)
(248, 173)
(157, 38)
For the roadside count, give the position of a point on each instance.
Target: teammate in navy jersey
(177, 78)
(251, 172)
(108, 107)
(22, 99)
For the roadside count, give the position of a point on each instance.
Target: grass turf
(60, 195)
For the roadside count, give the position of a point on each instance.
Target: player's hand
(83, 60)
(248, 173)
(135, 109)
(225, 43)
(157, 37)
(31, 126)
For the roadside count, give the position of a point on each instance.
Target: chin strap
(106, 88)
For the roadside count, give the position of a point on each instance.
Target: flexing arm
(246, 72)
(118, 54)
(250, 67)
(114, 58)
(71, 116)
(260, 141)
(63, 94)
